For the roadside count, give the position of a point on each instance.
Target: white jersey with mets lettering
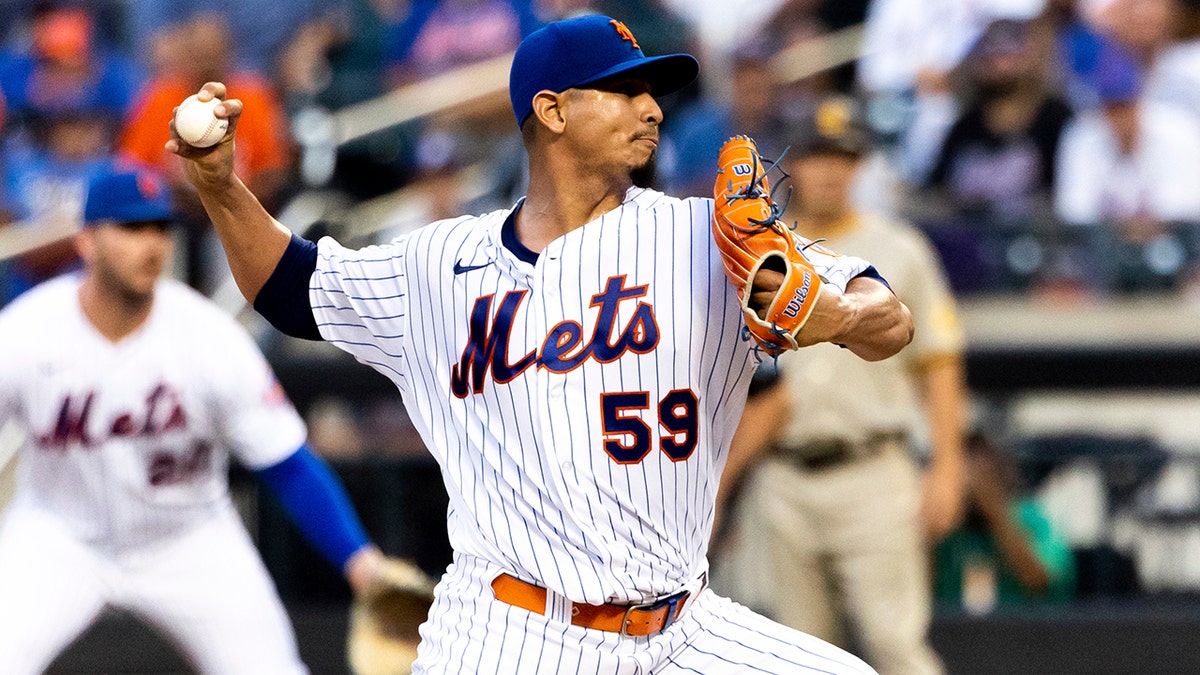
(126, 443)
(580, 401)
(122, 496)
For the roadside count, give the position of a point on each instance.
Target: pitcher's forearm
(878, 324)
(252, 239)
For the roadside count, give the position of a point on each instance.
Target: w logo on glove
(751, 238)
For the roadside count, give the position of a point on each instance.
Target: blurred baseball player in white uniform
(133, 391)
(576, 365)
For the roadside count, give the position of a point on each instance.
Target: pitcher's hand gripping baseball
(753, 240)
(212, 164)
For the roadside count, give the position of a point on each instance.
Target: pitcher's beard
(645, 175)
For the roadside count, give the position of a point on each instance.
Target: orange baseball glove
(751, 238)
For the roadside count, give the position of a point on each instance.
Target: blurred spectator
(998, 158)
(907, 40)
(264, 150)
(837, 14)
(1079, 43)
(64, 99)
(1175, 76)
(43, 170)
(263, 145)
(722, 28)
(378, 163)
(357, 66)
(66, 68)
(832, 524)
(439, 35)
(658, 30)
(695, 133)
(1143, 27)
(909, 50)
(801, 22)
(1131, 169)
(436, 193)
(45, 175)
(285, 41)
(1006, 552)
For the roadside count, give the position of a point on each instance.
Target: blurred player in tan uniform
(833, 522)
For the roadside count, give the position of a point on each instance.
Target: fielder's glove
(751, 238)
(384, 619)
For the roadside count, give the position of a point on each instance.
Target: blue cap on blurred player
(126, 196)
(584, 50)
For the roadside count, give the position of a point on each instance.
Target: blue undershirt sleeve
(870, 273)
(283, 299)
(317, 503)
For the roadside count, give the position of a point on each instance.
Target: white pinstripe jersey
(580, 406)
(128, 443)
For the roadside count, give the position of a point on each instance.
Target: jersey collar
(508, 237)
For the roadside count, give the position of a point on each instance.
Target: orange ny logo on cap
(625, 33)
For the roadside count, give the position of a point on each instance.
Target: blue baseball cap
(127, 197)
(584, 50)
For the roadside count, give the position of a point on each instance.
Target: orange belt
(638, 620)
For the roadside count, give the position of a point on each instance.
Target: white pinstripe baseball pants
(469, 631)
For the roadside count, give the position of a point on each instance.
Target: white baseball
(196, 123)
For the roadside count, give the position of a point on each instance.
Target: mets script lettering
(162, 412)
(563, 349)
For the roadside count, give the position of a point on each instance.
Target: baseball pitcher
(577, 363)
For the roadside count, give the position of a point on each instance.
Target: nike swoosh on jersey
(460, 268)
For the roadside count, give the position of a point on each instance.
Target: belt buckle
(671, 602)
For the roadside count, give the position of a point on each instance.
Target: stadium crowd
(1046, 146)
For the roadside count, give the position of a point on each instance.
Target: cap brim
(135, 224)
(665, 74)
(143, 213)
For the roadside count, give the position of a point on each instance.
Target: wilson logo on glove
(797, 303)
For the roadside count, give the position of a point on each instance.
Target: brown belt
(829, 453)
(638, 619)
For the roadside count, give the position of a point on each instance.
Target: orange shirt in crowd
(263, 143)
